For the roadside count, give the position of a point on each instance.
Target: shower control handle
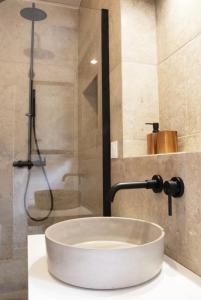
(173, 188)
(29, 164)
(23, 164)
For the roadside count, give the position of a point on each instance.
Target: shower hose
(46, 178)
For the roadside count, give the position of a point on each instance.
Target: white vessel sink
(104, 253)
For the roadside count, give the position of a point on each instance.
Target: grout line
(189, 135)
(138, 62)
(181, 47)
(59, 65)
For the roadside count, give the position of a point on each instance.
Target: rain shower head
(33, 13)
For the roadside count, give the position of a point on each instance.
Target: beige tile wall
(183, 236)
(115, 65)
(90, 110)
(178, 22)
(56, 91)
(13, 87)
(178, 35)
(115, 37)
(56, 84)
(90, 136)
(133, 59)
(164, 84)
(179, 57)
(140, 103)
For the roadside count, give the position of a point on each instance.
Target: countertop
(174, 281)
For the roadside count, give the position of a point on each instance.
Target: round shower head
(33, 14)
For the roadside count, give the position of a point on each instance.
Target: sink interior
(99, 233)
(104, 245)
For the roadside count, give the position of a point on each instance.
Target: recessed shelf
(54, 151)
(52, 83)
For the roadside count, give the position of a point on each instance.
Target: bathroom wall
(160, 43)
(56, 85)
(179, 63)
(178, 36)
(90, 88)
(183, 236)
(115, 65)
(140, 102)
(14, 88)
(90, 111)
(57, 116)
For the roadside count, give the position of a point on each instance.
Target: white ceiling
(73, 3)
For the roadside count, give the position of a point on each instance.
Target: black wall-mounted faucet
(155, 184)
(173, 188)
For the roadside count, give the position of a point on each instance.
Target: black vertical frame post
(106, 112)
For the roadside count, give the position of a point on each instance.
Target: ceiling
(73, 3)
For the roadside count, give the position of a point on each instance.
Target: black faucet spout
(156, 184)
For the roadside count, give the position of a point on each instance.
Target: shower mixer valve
(23, 164)
(29, 164)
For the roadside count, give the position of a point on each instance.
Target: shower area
(51, 123)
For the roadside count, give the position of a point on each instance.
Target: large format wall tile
(134, 147)
(180, 91)
(138, 31)
(87, 37)
(190, 143)
(114, 26)
(90, 111)
(116, 103)
(140, 102)
(182, 241)
(55, 37)
(178, 22)
(55, 68)
(55, 131)
(13, 283)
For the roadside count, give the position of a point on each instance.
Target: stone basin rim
(48, 230)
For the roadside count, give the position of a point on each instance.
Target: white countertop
(174, 282)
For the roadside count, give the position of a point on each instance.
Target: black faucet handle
(173, 188)
(169, 205)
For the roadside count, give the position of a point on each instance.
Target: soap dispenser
(152, 139)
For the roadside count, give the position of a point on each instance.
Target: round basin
(104, 252)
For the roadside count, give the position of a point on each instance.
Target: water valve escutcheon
(173, 188)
